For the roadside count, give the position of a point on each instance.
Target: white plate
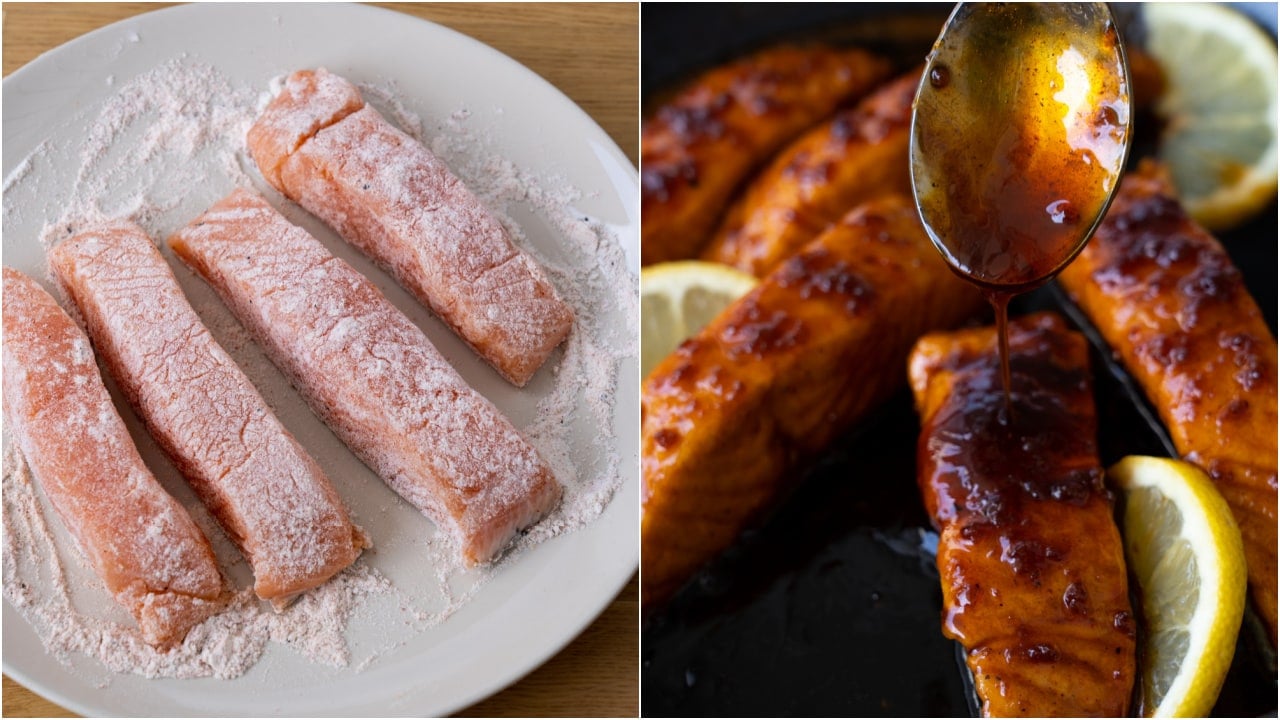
(533, 605)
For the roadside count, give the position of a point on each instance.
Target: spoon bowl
(1020, 131)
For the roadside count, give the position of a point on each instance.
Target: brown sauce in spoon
(1020, 135)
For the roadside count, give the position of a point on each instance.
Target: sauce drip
(1000, 303)
(1020, 136)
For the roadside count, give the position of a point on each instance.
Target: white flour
(163, 147)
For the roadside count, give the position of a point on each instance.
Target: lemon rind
(1220, 606)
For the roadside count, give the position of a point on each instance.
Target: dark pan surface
(832, 606)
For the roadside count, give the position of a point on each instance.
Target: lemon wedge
(678, 298)
(1184, 548)
(1219, 106)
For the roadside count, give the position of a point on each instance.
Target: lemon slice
(678, 298)
(1184, 548)
(1220, 106)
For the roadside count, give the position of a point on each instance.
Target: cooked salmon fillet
(273, 500)
(371, 375)
(324, 148)
(699, 148)
(1034, 584)
(779, 374)
(1168, 301)
(141, 542)
(859, 154)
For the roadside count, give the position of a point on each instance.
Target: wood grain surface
(590, 52)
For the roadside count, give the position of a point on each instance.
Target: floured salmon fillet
(371, 375)
(273, 500)
(1032, 566)
(141, 542)
(324, 148)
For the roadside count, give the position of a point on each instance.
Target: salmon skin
(147, 550)
(270, 496)
(1166, 298)
(1034, 584)
(699, 148)
(779, 374)
(324, 148)
(858, 155)
(371, 375)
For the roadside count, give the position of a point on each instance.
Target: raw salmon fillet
(1170, 303)
(371, 375)
(144, 546)
(1032, 566)
(269, 495)
(324, 148)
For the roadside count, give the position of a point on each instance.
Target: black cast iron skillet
(832, 606)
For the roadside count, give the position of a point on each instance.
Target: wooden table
(588, 51)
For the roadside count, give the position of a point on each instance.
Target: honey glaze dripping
(1000, 304)
(1020, 134)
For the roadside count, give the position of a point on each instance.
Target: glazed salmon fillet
(147, 550)
(1169, 302)
(371, 375)
(858, 155)
(699, 148)
(1034, 584)
(780, 373)
(324, 148)
(269, 495)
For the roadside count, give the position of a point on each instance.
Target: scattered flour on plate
(23, 169)
(386, 97)
(161, 148)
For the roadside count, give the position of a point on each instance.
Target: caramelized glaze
(1166, 297)
(858, 155)
(821, 341)
(697, 149)
(1032, 566)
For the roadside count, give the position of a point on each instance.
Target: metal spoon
(1020, 132)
